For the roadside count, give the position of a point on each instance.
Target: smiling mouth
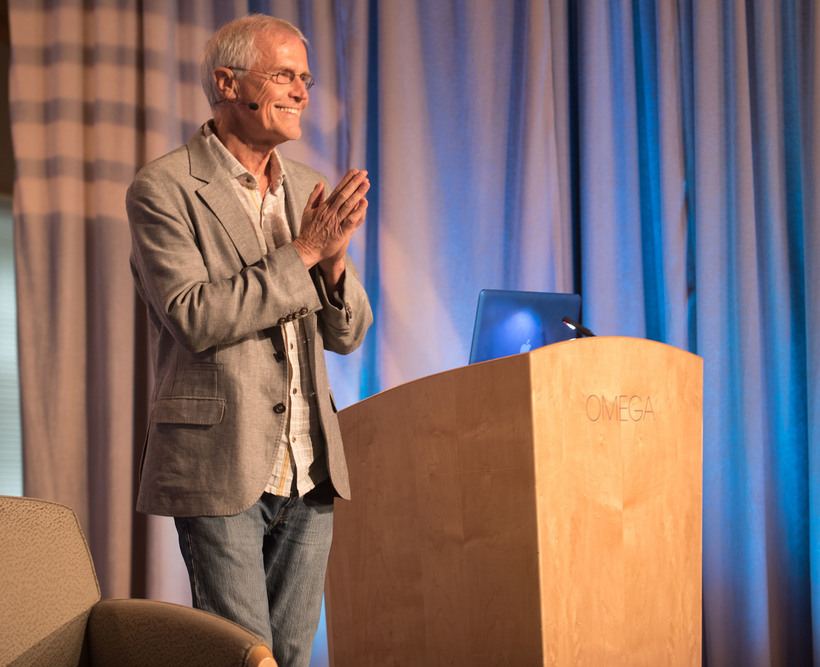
(290, 110)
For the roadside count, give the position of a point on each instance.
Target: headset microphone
(253, 106)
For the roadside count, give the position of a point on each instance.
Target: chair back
(47, 583)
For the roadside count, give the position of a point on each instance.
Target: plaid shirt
(300, 452)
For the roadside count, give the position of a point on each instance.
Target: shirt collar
(234, 167)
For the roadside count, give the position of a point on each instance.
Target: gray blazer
(216, 304)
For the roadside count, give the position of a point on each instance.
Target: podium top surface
(578, 349)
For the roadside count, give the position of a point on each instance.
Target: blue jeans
(264, 568)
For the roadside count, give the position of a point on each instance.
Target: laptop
(511, 322)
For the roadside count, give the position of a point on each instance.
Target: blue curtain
(658, 158)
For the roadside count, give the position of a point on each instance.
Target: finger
(350, 176)
(350, 184)
(348, 198)
(316, 196)
(357, 216)
(343, 182)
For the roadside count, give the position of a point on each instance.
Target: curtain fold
(73, 144)
(809, 80)
(657, 157)
(750, 277)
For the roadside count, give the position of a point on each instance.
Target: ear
(225, 83)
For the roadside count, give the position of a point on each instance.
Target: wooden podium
(541, 509)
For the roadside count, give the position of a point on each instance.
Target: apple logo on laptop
(526, 347)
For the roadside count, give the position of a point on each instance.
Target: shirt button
(294, 390)
(303, 311)
(279, 408)
(282, 321)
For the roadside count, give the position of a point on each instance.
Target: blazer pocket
(198, 380)
(188, 410)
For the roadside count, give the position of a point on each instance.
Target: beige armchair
(51, 613)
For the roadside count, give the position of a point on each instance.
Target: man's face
(280, 105)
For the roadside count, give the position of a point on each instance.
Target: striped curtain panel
(96, 90)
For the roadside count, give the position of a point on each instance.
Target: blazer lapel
(294, 218)
(297, 191)
(218, 194)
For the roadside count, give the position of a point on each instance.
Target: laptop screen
(510, 322)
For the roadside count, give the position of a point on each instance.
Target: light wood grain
(496, 521)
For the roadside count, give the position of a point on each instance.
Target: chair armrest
(147, 632)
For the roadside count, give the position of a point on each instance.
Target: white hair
(234, 44)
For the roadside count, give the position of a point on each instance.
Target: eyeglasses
(283, 77)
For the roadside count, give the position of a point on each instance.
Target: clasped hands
(329, 223)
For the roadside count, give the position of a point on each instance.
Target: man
(240, 257)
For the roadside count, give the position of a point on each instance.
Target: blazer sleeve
(345, 315)
(191, 266)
